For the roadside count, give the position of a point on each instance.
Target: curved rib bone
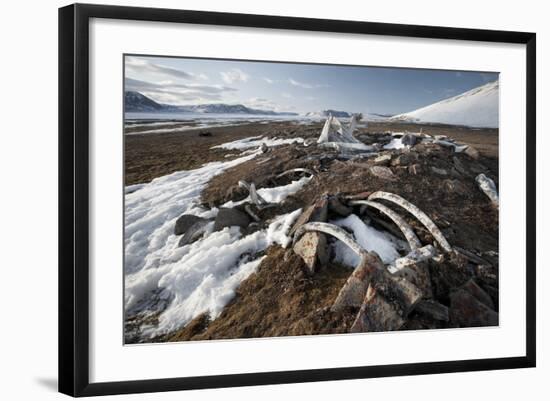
(296, 170)
(254, 196)
(412, 239)
(416, 212)
(333, 230)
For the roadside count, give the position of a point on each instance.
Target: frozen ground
(196, 278)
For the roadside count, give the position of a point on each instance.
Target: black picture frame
(74, 198)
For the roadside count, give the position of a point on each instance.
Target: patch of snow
(395, 143)
(256, 141)
(368, 237)
(183, 128)
(275, 194)
(197, 278)
(152, 209)
(202, 277)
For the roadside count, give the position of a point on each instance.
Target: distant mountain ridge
(477, 107)
(326, 113)
(137, 102)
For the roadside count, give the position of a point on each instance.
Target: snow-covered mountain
(476, 108)
(137, 102)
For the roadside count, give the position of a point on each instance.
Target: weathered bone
(251, 213)
(339, 146)
(340, 137)
(414, 257)
(419, 214)
(254, 196)
(410, 236)
(457, 148)
(488, 187)
(333, 230)
(397, 294)
(296, 170)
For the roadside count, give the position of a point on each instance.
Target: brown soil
(280, 299)
(148, 156)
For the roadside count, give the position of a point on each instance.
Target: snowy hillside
(476, 108)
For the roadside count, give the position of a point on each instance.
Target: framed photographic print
(250, 199)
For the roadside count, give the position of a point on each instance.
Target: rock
(336, 206)
(352, 293)
(236, 193)
(264, 147)
(419, 275)
(382, 160)
(459, 166)
(312, 248)
(184, 222)
(467, 311)
(384, 173)
(439, 171)
(446, 275)
(455, 186)
(316, 212)
(405, 159)
(205, 133)
(230, 217)
(472, 152)
(387, 303)
(478, 293)
(408, 140)
(487, 274)
(387, 299)
(433, 309)
(360, 195)
(493, 293)
(193, 233)
(377, 314)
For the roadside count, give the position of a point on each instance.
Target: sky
(295, 87)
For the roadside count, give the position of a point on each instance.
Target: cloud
(178, 93)
(268, 80)
(234, 75)
(287, 95)
(142, 66)
(305, 85)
